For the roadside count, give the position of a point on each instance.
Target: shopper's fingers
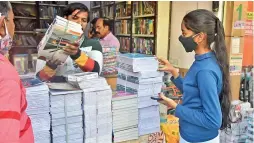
(163, 102)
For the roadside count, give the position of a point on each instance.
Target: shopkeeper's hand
(167, 101)
(71, 49)
(165, 66)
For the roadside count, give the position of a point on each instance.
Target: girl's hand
(167, 101)
(165, 66)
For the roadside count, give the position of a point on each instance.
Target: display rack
(134, 23)
(31, 19)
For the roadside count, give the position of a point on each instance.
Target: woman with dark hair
(91, 62)
(206, 86)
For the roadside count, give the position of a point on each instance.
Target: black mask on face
(188, 43)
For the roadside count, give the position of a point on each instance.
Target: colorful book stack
(125, 116)
(138, 74)
(124, 44)
(109, 61)
(250, 132)
(66, 113)
(123, 27)
(38, 108)
(143, 26)
(60, 33)
(143, 45)
(123, 10)
(108, 12)
(143, 7)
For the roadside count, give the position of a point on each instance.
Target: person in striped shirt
(53, 71)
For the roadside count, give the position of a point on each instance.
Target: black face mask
(188, 43)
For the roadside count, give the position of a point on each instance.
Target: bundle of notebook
(38, 108)
(60, 33)
(137, 74)
(66, 113)
(125, 116)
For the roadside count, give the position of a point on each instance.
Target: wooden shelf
(94, 7)
(109, 4)
(25, 32)
(142, 35)
(131, 7)
(24, 17)
(144, 16)
(124, 35)
(53, 5)
(49, 18)
(24, 46)
(24, 3)
(118, 2)
(121, 18)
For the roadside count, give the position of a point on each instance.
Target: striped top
(79, 62)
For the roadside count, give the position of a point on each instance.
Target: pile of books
(66, 113)
(143, 45)
(123, 27)
(143, 26)
(96, 106)
(124, 44)
(109, 60)
(60, 33)
(38, 108)
(125, 116)
(98, 114)
(137, 74)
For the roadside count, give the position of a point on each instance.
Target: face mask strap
(6, 30)
(195, 35)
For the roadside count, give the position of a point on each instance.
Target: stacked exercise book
(37, 95)
(125, 116)
(58, 35)
(137, 74)
(66, 113)
(97, 97)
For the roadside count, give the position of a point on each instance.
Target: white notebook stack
(97, 97)
(37, 95)
(66, 114)
(125, 116)
(137, 74)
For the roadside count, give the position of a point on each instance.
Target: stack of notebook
(125, 116)
(66, 113)
(38, 108)
(137, 74)
(60, 33)
(96, 106)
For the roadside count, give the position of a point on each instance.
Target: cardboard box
(235, 15)
(235, 82)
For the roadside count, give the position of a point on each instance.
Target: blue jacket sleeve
(178, 82)
(210, 116)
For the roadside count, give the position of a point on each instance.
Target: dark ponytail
(223, 60)
(202, 20)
